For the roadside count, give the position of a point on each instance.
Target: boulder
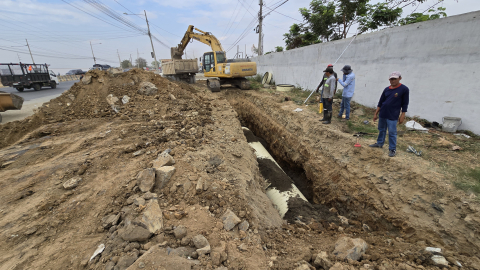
(230, 220)
(125, 261)
(180, 232)
(134, 233)
(200, 241)
(163, 175)
(152, 217)
(147, 88)
(348, 248)
(87, 79)
(146, 179)
(322, 261)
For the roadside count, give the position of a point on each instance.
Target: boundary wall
(439, 61)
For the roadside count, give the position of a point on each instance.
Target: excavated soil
(398, 206)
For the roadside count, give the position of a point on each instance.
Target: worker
(324, 79)
(348, 84)
(328, 93)
(393, 99)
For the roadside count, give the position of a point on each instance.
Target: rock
(199, 187)
(348, 248)
(150, 196)
(303, 267)
(180, 232)
(219, 254)
(158, 258)
(340, 266)
(125, 99)
(163, 159)
(125, 261)
(111, 99)
(358, 112)
(343, 220)
(110, 220)
(186, 186)
(244, 226)
(131, 246)
(147, 88)
(200, 241)
(87, 79)
(172, 97)
(138, 153)
(322, 261)
(139, 201)
(152, 217)
(110, 265)
(243, 247)
(203, 251)
(182, 251)
(146, 180)
(163, 175)
(132, 198)
(185, 241)
(230, 220)
(72, 183)
(31, 231)
(439, 261)
(436, 251)
(134, 233)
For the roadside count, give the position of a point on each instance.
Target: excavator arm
(204, 37)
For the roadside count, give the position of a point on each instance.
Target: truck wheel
(20, 89)
(53, 85)
(193, 80)
(36, 87)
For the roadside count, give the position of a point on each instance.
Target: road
(33, 99)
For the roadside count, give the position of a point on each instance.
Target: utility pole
(94, 60)
(119, 61)
(131, 63)
(150, 35)
(260, 37)
(138, 62)
(30, 51)
(19, 58)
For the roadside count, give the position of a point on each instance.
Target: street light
(94, 60)
(149, 34)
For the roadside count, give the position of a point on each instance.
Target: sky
(59, 32)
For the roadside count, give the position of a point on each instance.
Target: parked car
(75, 72)
(102, 67)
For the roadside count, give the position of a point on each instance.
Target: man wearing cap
(324, 79)
(348, 84)
(394, 98)
(328, 92)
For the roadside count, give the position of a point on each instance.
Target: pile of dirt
(133, 171)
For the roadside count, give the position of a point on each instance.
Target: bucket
(450, 124)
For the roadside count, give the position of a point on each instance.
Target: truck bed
(180, 66)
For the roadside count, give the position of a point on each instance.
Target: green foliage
(299, 36)
(338, 94)
(420, 17)
(470, 180)
(255, 81)
(141, 62)
(155, 64)
(355, 127)
(126, 64)
(278, 48)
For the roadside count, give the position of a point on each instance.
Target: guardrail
(64, 78)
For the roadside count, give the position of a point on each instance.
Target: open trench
(371, 191)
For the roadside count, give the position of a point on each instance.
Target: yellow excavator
(216, 67)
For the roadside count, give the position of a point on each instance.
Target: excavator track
(213, 85)
(244, 84)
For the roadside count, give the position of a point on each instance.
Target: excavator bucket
(10, 101)
(175, 53)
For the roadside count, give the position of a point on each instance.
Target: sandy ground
(397, 206)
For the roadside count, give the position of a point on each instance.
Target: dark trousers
(327, 105)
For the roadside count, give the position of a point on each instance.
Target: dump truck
(180, 69)
(21, 76)
(9, 101)
(215, 66)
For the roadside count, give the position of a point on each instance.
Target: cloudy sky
(60, 31)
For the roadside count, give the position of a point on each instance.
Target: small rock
(185, 241)
(148, 195)
(110, 220)
(322, 261)
(139, 201)
(199, 187)
(244, 226)
(147, 88)
(439, 260)
(146, 179)
(303, 267)
(125, 99)
(134, 233)
(138, 153)
(72, 183)
(87, 79)
(243, 247)
(163, 175)
(348, 248)
(31, 231)
(111, 99)
(147, 246)
(180, 232)
(230, 220)
(182, 251)
(343, 220)
(172, 97)
(132, 198)
(163, 159)
(125, 261)
(437, 251)
(110, 265)
(200, 241)
(204, 250)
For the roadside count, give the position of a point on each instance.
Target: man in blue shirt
(394, 98)
(348, 84)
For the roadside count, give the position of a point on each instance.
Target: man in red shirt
(394, 98)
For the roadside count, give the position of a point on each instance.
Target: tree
(126, 64)
(155, 64)
(278, 48)
(141, 62)
(327, 20)
(420, 17)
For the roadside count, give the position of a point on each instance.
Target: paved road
(33, 99)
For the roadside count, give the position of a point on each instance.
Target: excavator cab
(211, 59)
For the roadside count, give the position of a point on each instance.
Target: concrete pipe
(285, 87)
(281, 190)
(267, 78)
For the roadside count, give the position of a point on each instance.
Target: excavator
(216, 67)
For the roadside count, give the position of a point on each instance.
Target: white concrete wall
(439, 61)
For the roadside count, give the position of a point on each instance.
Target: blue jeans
(345, 105)
(391, 125)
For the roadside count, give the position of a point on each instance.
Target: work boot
(328, 119)
(324, 116)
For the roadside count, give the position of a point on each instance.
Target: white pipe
(279, 198)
